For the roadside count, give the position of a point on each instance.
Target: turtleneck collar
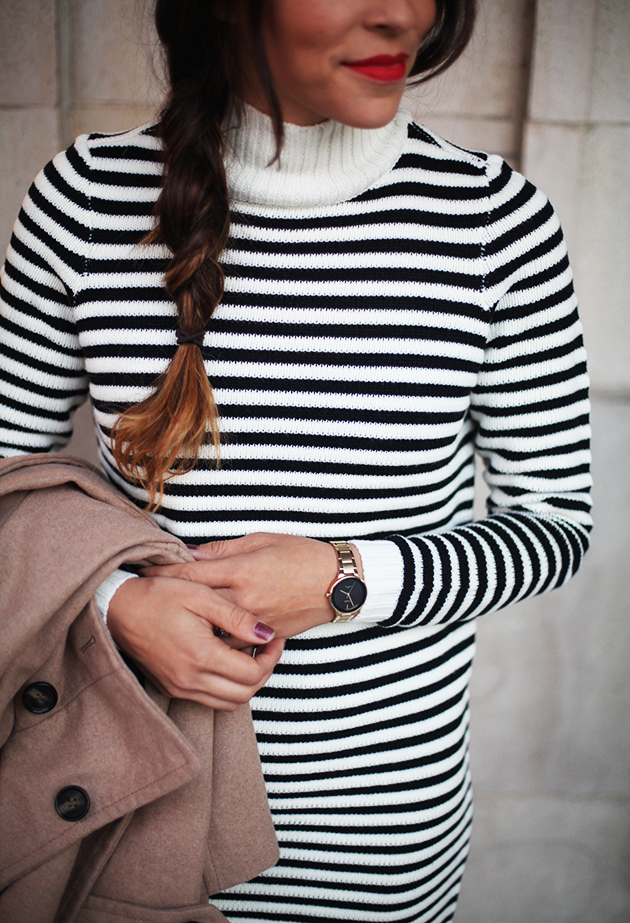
(319, 164)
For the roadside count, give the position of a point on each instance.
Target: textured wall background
(546, 83)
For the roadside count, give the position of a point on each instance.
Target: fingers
(166, 626)
(221, 612)
(209, 572)
(221, 671)
(226, 547)
(237, 622)
(282, 579)
(224, 692)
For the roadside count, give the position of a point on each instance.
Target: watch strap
(346, 560)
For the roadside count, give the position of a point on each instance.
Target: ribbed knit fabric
(318, 165)
(372, 334)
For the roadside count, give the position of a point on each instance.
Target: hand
(282, 579)
(166, 627)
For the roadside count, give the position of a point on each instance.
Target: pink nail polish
(262, 631)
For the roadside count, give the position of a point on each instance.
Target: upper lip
(380, 60)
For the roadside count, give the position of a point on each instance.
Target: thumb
(240, 624)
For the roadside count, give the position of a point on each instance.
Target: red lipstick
(384, 67)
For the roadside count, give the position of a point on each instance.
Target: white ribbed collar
(319, 164)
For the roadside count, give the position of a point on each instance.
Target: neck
(292, 115)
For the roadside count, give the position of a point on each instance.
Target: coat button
(39, 698)
(72, 803)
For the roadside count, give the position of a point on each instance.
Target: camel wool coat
(116, 803)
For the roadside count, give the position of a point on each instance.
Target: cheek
(294, 28)
(300, 65)
(426, 12)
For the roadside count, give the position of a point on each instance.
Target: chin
(369, 115)
(356, 110)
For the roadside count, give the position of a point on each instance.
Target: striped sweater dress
(393, 304)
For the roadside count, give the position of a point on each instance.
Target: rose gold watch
(347, 593)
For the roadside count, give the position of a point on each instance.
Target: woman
(371, 305)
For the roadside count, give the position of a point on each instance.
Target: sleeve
(42, 373)
(105, 592)
(530, 409)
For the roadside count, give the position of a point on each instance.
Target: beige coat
(177, 805)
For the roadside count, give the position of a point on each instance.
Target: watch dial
(349, 595)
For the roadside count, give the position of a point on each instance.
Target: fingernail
(264, 632)
(192, 547)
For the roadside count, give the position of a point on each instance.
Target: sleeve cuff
(383, 575)
(108, 587)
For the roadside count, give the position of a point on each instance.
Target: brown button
(72, 803)
(39, 698)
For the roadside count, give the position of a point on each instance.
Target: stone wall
(546, 84)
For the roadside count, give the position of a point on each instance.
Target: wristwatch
(347, 592)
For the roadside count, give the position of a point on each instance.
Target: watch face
(348, 595)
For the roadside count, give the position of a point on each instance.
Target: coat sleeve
(530, 411)
(42, 374)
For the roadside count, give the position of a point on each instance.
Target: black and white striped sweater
(392, 303)
(360, 350)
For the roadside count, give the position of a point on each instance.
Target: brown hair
(163, 434)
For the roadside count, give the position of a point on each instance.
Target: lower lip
(389, 73)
